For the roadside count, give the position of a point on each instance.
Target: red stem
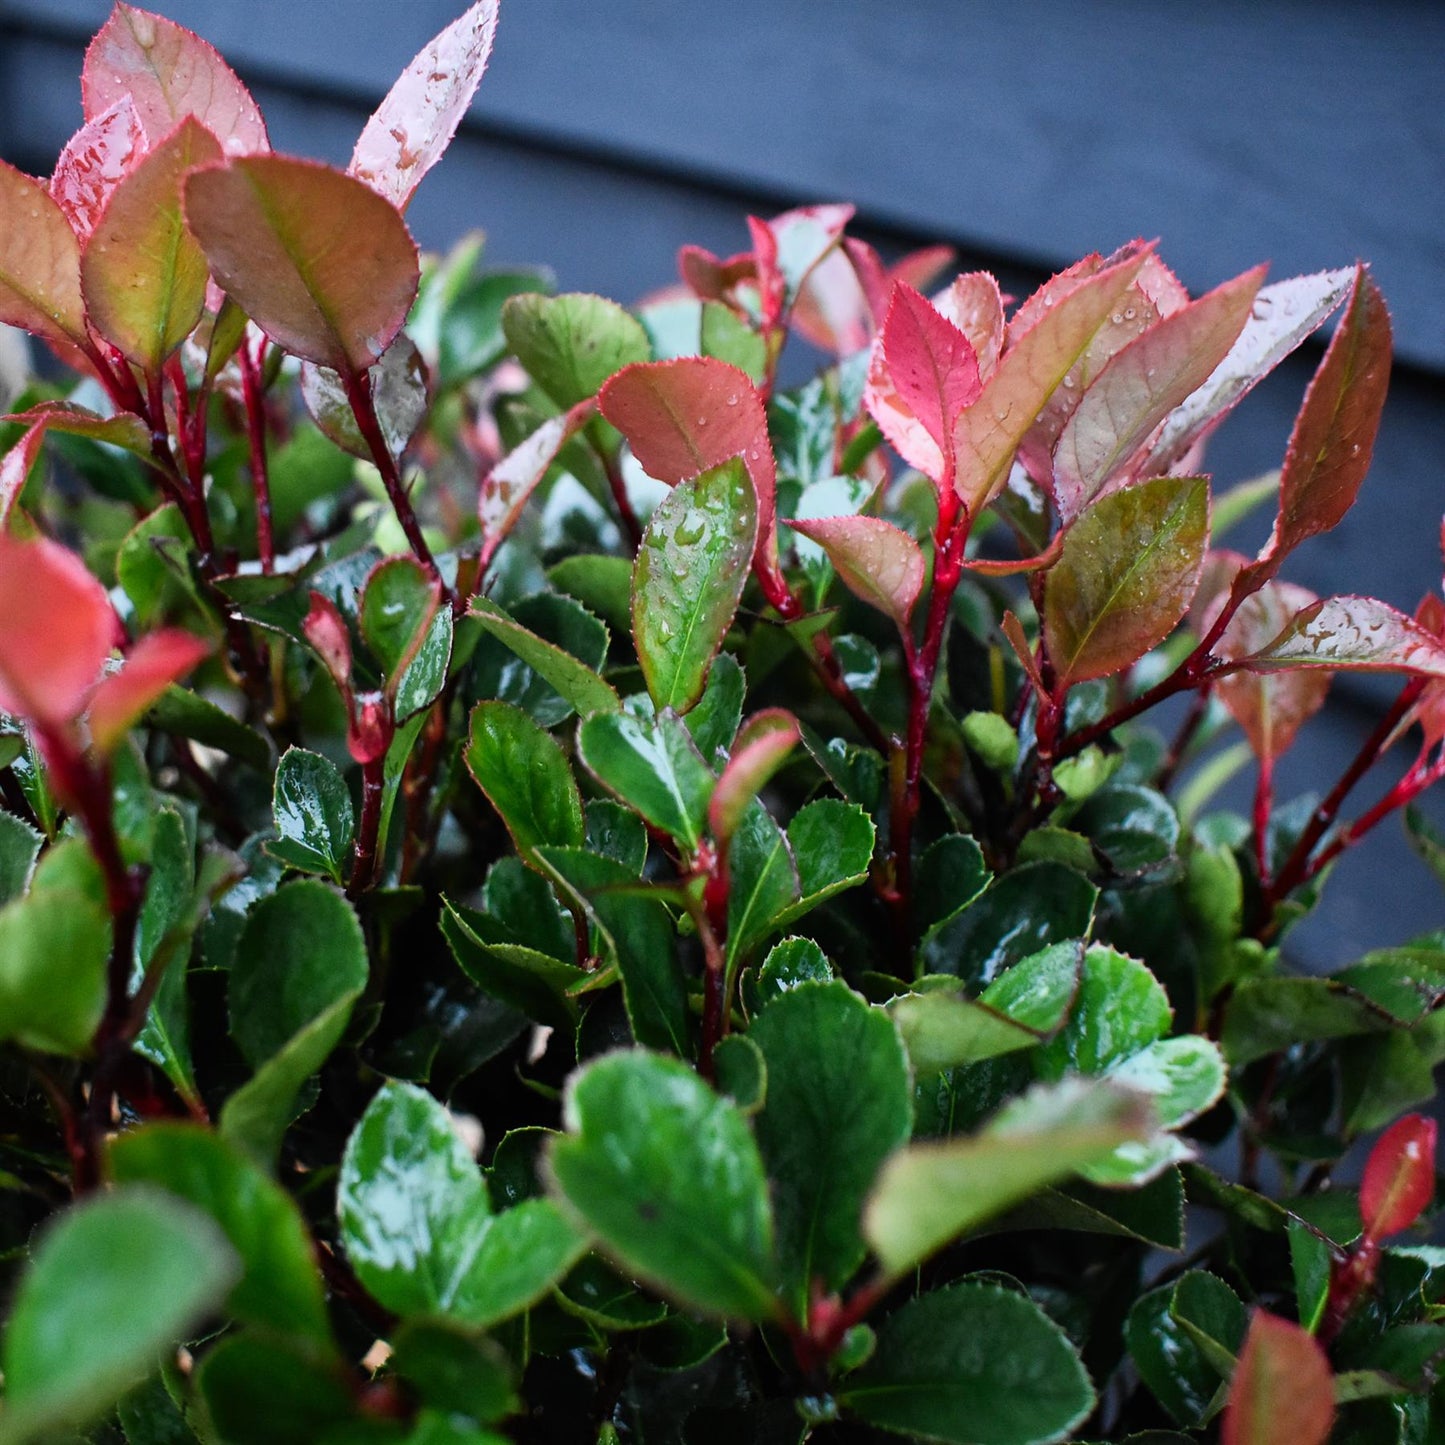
(1263, 808)
(620, 499)
(365, 860)
(254, 392)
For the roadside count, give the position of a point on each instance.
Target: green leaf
(713, 721)
(571, 344)
(319, 261)
(315, 821)
(471, 339)
(526, 778)
(974, 1364)
(618, 833)
(418, 1227)
(1311, 1263)
(455, 1370)
(603, 585)
(1120, 1008)
(398, 392)
(1267, 1015)
(54, 945)
(142, 274)
(1211, 1315)
(576, 684)
(742, 1072)
(1169, 1362)
(764, 882)
(300, 965)
(1127, 572)
(930, 1193)
(260, 1389)
(651, 765)
(281, 1287)
(115, 1280)
(950, 875)
(1135, 828)
(398, 603)
(689, 575)
(792, 962)
(942, 1029)
(637, 936)
(832, 844)
(187, 714)
(19, 848)
(668, 1176)
(839, 1101)
(523, 977)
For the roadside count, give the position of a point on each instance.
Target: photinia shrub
(556, 888)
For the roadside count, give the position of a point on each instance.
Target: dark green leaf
(116, 1280)
(315, 821)
(691, 566)
(713, 721)
(973, 1364)
(535, 983)
(792, 962)
(839, 1101)
(951, 874)
(603, 585)
(1310, 1261)
(525, 776)
(742, 1072)
(19, 848)
(618, 833)
(669, 1178)
(1134, 827)
(455, 1370)
(832, 844)
(262, 1390)
(187, 714)
(1168, 1360)
(764, 882)
(554, 666)
(599, 1295)
(398, 603)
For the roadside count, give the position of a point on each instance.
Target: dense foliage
(554, 891)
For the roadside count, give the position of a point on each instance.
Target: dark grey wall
(1308, 132)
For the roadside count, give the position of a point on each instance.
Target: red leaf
(709, 277)
(413, 126)
(316, 258)
(1334, 434)
(1354, 634)
(169, 73)
(1140, 385)
(686, 416)
(508, 485)
(326, 631)
(1430, 711)
(1282, 1388)
(94, 161)
(59, 629)
(120, 430)
(143, 274)
(154, 663)
(877, 561)
(974, 304)
(761, 748)
(1399, 1178)
(922, 375)
(1283, 315)
(788, 247)
(39, 263)
(15, 467)
(989, 432)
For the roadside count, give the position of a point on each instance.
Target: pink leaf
(39, 263)
(835, 309)
(507, 486)
(94, 161)
(711, 278)
(169, 73)
(928, 375)
(761, 748)
(1282, 1388)
(1283, 316)
(1140, 385)
(15, 467)
(686, 416)
(59, 629)
(1430, 711)
(414, 125)
(320, 262)
(1354, 634)
(877, 561)
(974, 304)
(1399, 1177)
(989, 432)
(1334, 435)
(154, 663)
(326, 631)
(788, 247)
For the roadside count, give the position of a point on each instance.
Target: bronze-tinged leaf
(122, 430)
(169, 73)
(1126, 574)
(989, 432)
(93, 162)
(975, 305)
(879, 563)
(413, 126)
(761, 748)
(1271, 709)
(143, 274)
(1354, 634)
(319, 261)
(39, 262)
(1282, 1388)
(1141, 384)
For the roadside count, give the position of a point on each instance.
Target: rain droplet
(702, 421)
(733, 397)
(1117, 318)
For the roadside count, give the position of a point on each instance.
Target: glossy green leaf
(398, 603)
(53, 951)
(601, 584)
(19, 848)
(1128, 570)
(974, 1364)
(929, 1194)
(1311, 1264)
(1134, 827)
(763, 882)
(1120, 1008)
(617, 833)
(143, 274)
(454, 1369)
(832, 845)
(187, 714)
(694, 559)
(526, 778)
(950, 875)
(317, 259)
(668, 1176)
(571, 344)
(1169, 1362)
(741, 1072)
(300, 965)
(1211, 1315)
(839, 1102)
(116, 1280)
(261, 1389)
(652, 765)
(715, 718)
(792, 962)
(281, 1284)
(315, 820)
(1267, 1015)
(576, 683)
(942, 1029)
